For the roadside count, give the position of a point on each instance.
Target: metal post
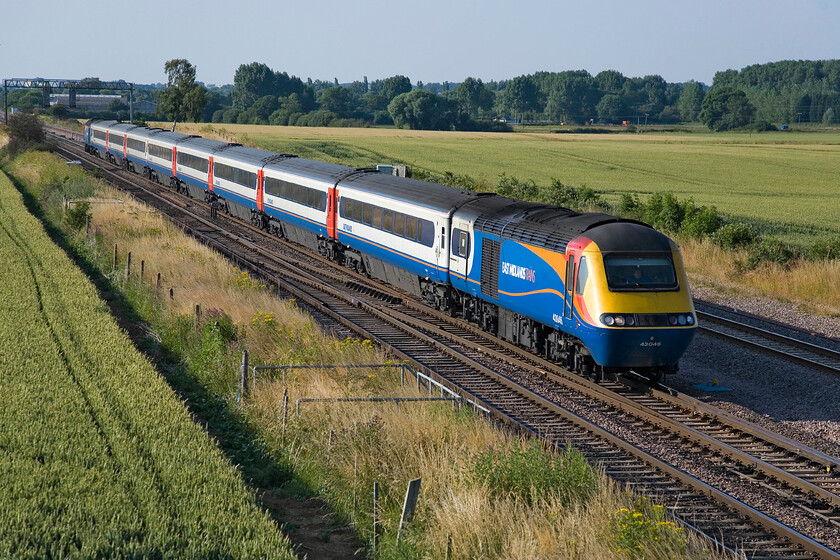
(6, 101)
(409, 504)
(131, 104)
(285, 411)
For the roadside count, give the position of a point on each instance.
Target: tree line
(781, 92)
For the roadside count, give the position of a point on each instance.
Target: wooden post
(448, 546)
(142, 270)
(197, 317)
(87, 225)
(115, 257)
(375, 507)
(329, 441)
(244, 389)
(157, 285)
(285, 411)
(171, 293)
(128, 266)
(409, 504)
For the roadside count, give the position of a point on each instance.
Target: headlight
(689, 319)
(672, 319)
(619, 320)
(630, 321)
(682, 320)
(608, 320)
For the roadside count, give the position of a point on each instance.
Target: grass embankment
(496, 497)
(98, 458)
(781, 185)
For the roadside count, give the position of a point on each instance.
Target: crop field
(98, 458)
(785, 182)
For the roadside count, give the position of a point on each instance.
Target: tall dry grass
(814, 286)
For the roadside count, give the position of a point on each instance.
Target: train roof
(203, 144)
(427, 195)
(122, 127)
(553, 227)
(310, 168)
(251, 156)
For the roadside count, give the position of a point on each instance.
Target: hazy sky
(427, 40)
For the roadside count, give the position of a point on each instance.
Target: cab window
(628, 272)
(460, 243)
(582, 275)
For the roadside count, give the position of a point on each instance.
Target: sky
(426, 40)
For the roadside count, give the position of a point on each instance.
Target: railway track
(793, 349)
(515, 386)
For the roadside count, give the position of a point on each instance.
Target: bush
(25, 132)
(733, 236)
(77, 215)
(514, 188)
(770, 250)
(825, 250)
(629, 206)
(571, 197)
(702, 222)
(665, 212)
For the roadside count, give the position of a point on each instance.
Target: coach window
(388, 220)
(357, 211)
(399, 224)
(411, 227)
(368, 214)
(582, 275)
(377, 217)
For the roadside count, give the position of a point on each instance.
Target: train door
(461, 247)
(569, 293)
(260, 183)
(332, 210)
(210, 174)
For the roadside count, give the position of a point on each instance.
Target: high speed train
(594, 292)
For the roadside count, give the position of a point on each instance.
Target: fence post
(375, 506)
(128, 266)
(142, 270)
(409, 504)
(243, 380)
(448, 546)
(285, 411)
(115, 257)
(157, 286)
(197, 316)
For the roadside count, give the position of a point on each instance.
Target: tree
(422, 110)
(25, 131)
(572, 97)
(609, 108)
(726, 108)
(690, 101)
(265, 106)
(520, 95)
(251, 82)
(336, 99)
(182, 98)
(472, 95)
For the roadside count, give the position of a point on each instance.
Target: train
(596, 293)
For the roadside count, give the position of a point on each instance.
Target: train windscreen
(640, 273)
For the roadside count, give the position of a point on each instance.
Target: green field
(98, 457)
(788, 183)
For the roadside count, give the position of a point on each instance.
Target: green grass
(784, 183)
(98, 458)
